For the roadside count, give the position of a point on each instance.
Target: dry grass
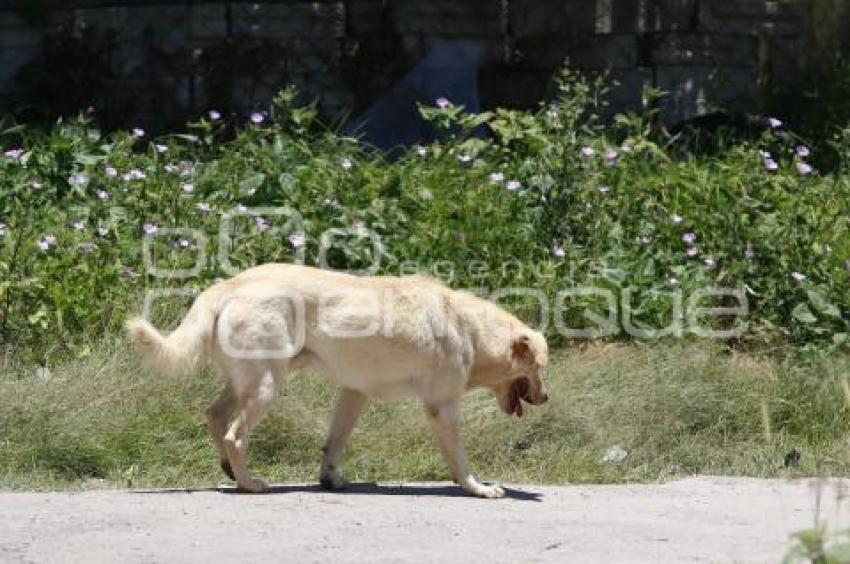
(676, 409)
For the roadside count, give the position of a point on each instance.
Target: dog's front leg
(445, 420)
(349, 406)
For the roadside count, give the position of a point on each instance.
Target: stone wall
(154, 63)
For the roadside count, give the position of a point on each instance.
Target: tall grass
(675, 410)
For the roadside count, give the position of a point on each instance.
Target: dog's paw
(482, 490)
(333, 481)
(254, 485)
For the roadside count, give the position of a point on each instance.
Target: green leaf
(803, 314)
(822, 305)
(250, 183)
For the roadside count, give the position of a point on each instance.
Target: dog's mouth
(517, 393)
(520, 391)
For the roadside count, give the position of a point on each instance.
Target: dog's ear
(521, 348)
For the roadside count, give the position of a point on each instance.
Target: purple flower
(443, 103)
(689, 238)
(497, 177)
(14, 154)
(774, 123)
(202, 207)
(803, 151)
(257, 118)
(611, 156)
(261, 224)
(78, 179)
(214, 115)
(804, 169)
(187, 188)
(150, 229)
(346, 163)
(296, 240)
(79, 224)
(513, 185)
(130, 273)
(770, 164)
(587, 152)
(102, 194)
(798, 277)
(138, 132)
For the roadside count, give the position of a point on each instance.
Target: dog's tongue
(516, 402)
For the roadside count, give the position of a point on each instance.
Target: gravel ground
(704, 519)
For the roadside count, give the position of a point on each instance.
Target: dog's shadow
(355, 488)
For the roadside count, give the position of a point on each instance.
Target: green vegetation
(551, 201)
(674, 410)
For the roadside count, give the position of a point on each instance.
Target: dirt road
(699, 519)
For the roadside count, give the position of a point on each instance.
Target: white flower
(171, 168)
(673, 280)
(102, 194)
(161, 148)
(346, 163)
(603, 189)
(558, 251)
(497, 177)
(78, 179)
(102, 231)
(798, 277)
(79, 224)
(513, 185)
(261, 223)
(150, 229)
(88, 247)
(296, 240)
(241, 208)
(587, 152)
(257, 118)
(111, 171)
(46, 242)
(187, 188)
(135, 174)
(2, 229)
(750, 252)
(676, 219)
(203, 207)
(710, 263)
(214, 115)
(611, 156)
(138, 132)
(692, 251)
(443, 103)
(37, 185)
(420, 150)
(183, 243)
(464, 158)
(774, 123)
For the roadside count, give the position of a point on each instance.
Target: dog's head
(529, 355)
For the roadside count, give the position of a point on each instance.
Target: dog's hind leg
(445, 420)
(254, 402)
(218, 417)
(349, 406)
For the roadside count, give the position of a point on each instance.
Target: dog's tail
(178, 353)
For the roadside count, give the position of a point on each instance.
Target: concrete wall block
(447, 18)
(552, 17)
(753, 17)
(696, 90)
(706, 50)
(595, 52)
(298, 19)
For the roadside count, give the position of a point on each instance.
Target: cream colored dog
(377, 337)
